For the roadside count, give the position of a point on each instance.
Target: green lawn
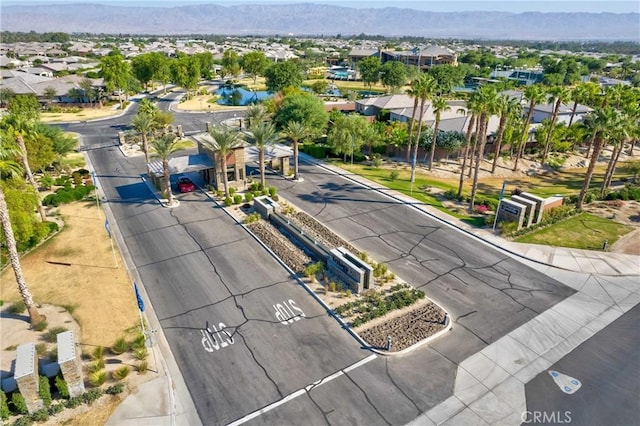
(584, 231)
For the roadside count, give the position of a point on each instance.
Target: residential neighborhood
(367, 229)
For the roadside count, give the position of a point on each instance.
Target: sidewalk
(489, 387)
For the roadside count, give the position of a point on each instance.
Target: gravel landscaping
(406, 325)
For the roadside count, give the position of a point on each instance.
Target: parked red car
(185, 184)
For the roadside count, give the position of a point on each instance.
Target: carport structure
(180, 165)
(276, 156)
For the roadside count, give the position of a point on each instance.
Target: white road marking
(567, 384)
(299, 392)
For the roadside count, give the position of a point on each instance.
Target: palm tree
(16, 126)
(261, 135)
(164, 147)
(297, 132)
(508, 108)
(487, 105)
(439, 105)
(8, 167)
(598, 123)
(414, 92)
(255, 114)
(426, 88)
(559, 95)
(535, 95)
(225, 140)
(143, 124)
(469, 135)
(621, 131)
(583, 93)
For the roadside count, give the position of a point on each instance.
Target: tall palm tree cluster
(613, 121)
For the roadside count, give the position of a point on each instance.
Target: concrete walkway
(489, 386)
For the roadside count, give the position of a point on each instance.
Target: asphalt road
(607, 365)
(487, 293)
(201, 269)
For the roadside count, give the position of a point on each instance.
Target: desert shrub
(333, 286)
(380, 269)
(62, 181)
(4, 407)
(120, 373)
(17, 307)
(273, 191)
(92, 395)
(44, 390)
(219, 193)
(62, 387)
(41, 415)
(96, 365)
(232, 191)
(142, 367)
(71, 308)
(228, 201)
(114, 389)
(275, 197)
(347, 293)
(74, 402)
(19, 404)
(254, 187)
(248, 197)
(41, 325)
(56, 408)
(141, 354)
(237, 199)
(98, 378)
(97, 353)
(253, 217)
(394, 175)
(41, 349)
(120, 346)
(51, 336)
(508, 227)
(77, 178)
(46, 181)
(139, 342)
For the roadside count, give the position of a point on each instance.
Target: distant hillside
(315, 19)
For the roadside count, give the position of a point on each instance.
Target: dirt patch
(79, 286)
(627, 212)
(77, 269)
(84, 115)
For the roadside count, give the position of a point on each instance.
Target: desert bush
(71, 308)
(139, 342)
(53, 354)
(56, 408)
(142, 367)
(273, 191)
(74, 402)
(17, 308)
(237, 199)
(219, 193)
(41, 349)
(248, 197)
(44, 390)
(141, 354)
(253, 217)
(92, 395)
(97, 353)
(4, 406)
(120, 346)
(62, 387)
(232, 191)
(120, 373)
(51, 336)
(114, 389)
(41, 415)
(41, 325)
(228, 201)
(19, 404)
(98, 378)
(394, 175)
(96, 365)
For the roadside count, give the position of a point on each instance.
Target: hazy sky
(435, 6)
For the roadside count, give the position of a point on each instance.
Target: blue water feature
(239, 96)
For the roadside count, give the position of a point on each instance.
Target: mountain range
(316, 19)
